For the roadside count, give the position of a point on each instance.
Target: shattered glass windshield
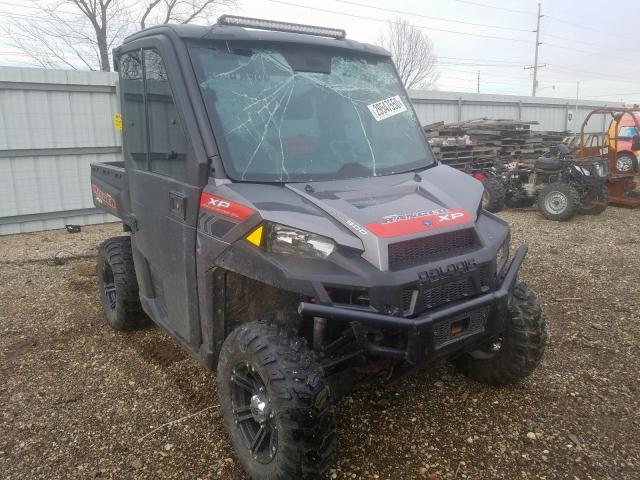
(283, 114)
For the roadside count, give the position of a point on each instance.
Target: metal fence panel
(53, 125)
(550, 113)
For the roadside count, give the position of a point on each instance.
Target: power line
(496, 7)
(386, 21)
(551, 17)
(414, 14)
(587, 27)
(586, 52)
(473, 80)
(581, 42)
(476, 64)
(58, 10)
(520, 64)
(34, 18)
(454, 68)
(580, 74)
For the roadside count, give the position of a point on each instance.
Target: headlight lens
(291, 241)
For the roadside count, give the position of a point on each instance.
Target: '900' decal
(225, 207)
(444, 219)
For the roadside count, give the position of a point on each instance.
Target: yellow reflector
(255, 237)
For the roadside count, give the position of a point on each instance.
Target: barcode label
(387, 108)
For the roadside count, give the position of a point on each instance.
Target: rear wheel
(595, 203)
(558, 201)
(626, 163)
(118, 285)
(275, 404)
(493, 195)
(517, 352)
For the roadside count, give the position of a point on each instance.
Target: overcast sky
(576, 44)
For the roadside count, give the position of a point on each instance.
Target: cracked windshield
(303, 115)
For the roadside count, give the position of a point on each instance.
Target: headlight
(290, 241)
(502, 255)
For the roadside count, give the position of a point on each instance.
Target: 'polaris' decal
(225, 207)
(444, 219)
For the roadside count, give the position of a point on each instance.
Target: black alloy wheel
(253, 413)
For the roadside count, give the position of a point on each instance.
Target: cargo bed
(108, 187)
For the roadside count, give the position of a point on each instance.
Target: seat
(550, 164)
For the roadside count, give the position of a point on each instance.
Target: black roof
(225, 32)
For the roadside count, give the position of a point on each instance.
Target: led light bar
(249, 22)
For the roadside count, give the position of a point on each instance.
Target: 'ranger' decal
(103, 198)
(425, 223)
(407, 216)
(225, 207)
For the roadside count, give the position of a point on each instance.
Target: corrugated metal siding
(41, 110)
(551, 113)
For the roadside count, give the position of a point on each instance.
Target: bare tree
(80, 34)
(412, 52)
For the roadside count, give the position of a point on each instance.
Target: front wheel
(275, 404)
(558, 201)
(493, 195)
(515, 353)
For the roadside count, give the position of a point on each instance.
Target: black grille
(427, 297)
(449, 292)
(469, 323)
(417, 251)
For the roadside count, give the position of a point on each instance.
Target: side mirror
(635, 143)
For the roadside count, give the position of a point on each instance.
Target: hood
(370, 213)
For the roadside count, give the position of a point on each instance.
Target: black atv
(560, 185)
(487, 170)
(290, 227)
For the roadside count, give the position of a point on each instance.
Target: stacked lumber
(464, 143)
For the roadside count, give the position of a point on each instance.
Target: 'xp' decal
(425, 223)
(225, 207)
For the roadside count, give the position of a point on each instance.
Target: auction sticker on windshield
(387, 108)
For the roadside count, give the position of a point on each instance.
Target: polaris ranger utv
(290, 226)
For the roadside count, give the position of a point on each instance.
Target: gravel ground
(82, 401)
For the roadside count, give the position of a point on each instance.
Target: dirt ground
(82, 401)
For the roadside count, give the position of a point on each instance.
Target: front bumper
(432, 334)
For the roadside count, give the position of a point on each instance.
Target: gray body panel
(180, 254)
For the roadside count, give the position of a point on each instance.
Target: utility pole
(535, 62)
(575, 115)
(478, 81)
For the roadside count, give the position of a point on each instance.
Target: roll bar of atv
(613, 111)
(420, 328)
